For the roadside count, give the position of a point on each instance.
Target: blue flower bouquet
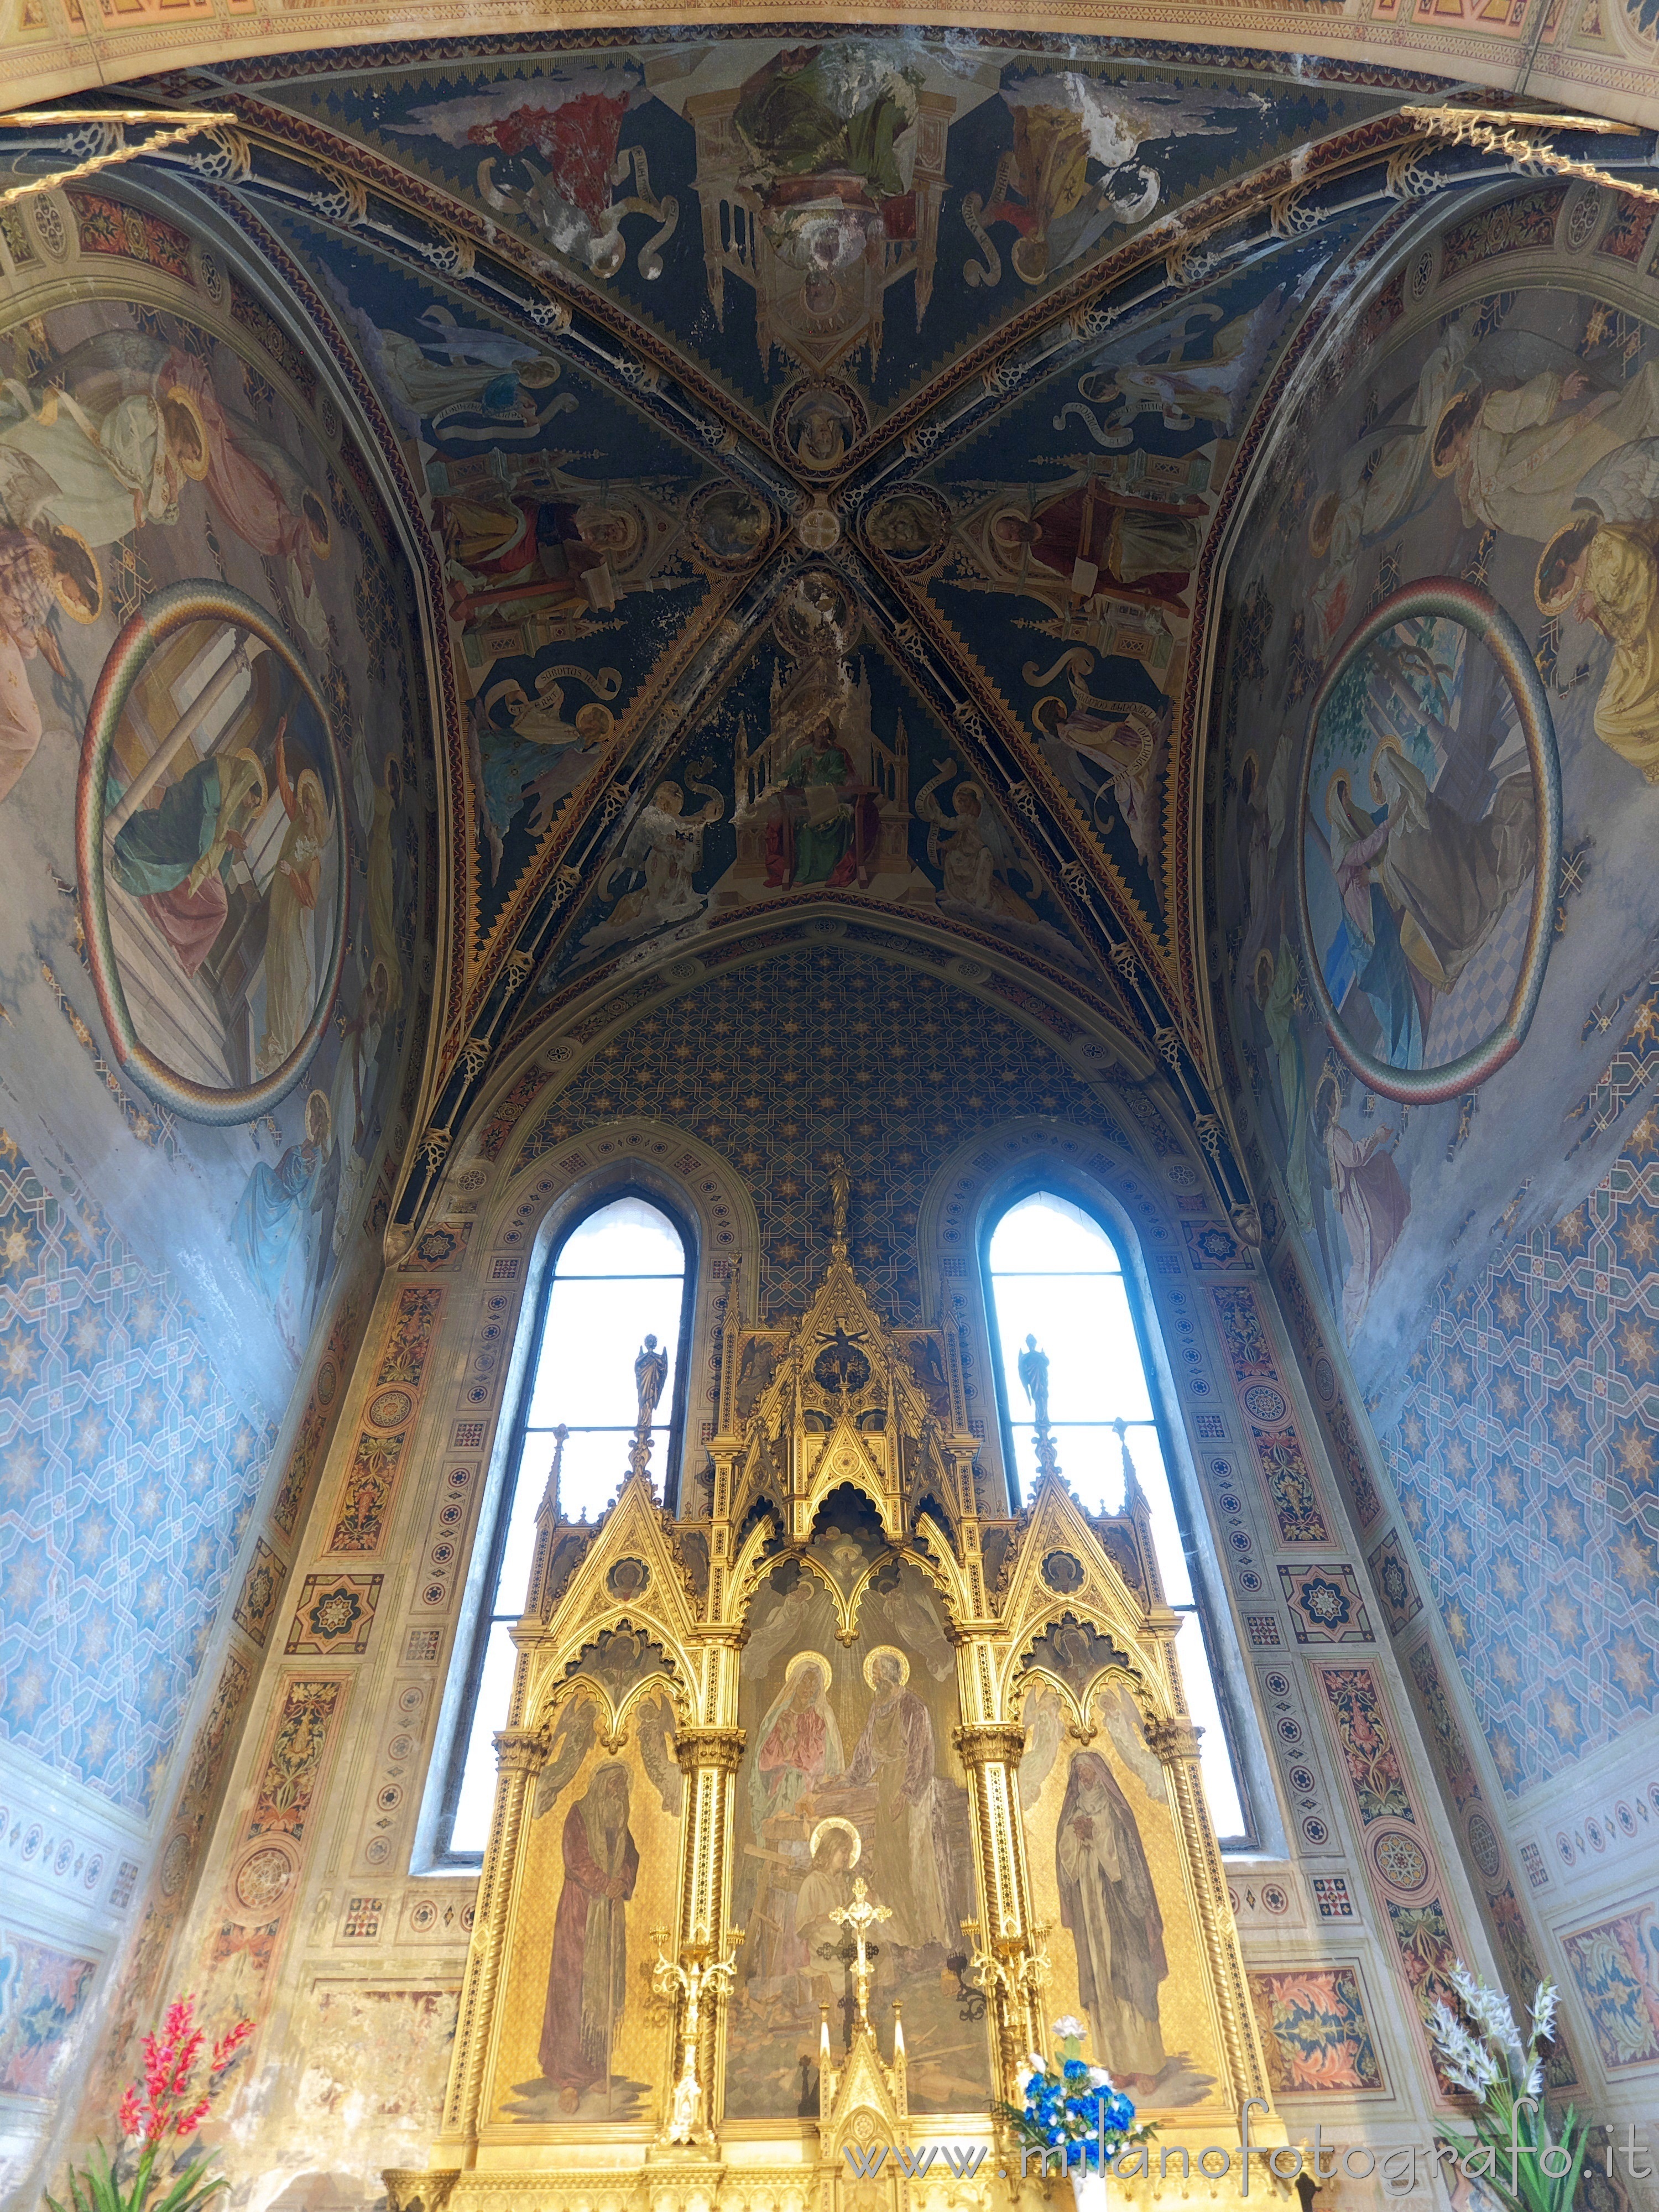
(1070, 2113)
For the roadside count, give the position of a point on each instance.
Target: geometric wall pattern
(127, 1472)
(814, 1051)
(1527, 1459)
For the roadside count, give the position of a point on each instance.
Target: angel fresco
(468, 381)
(1601, 566)
(1515, 443)
(1076, 168)
(42, 571)
(1105, 746)
(1379, 481)
(664, 853)
(971, 850)
(1169, 377)
(118, 382)
(520, 746)
(268, 1229)
(564, 134)
(1371, 1201)
(295, 884)
(1277, 984)
(99, 471)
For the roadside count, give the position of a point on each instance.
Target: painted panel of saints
(581, 2044)
(1105, 1868)
(849, 1769)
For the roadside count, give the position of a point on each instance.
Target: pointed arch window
(1053, 1273)
(621, 1273)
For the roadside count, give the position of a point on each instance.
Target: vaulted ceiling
(821, 459)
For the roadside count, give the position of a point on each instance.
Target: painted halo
(167, 613)
(835, 1825)
(1480, 614)
(886, 1651)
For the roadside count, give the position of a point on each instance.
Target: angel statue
(1034, 1380)
(650, 1372)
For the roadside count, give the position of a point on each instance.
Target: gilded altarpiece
(730, 1735)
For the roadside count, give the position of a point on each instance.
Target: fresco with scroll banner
(852, 208)
(1062, 544)
(565, 582)
(1440, 796)
(849, 1772)
(1106, 1876)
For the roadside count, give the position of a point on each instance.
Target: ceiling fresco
(821, 454)
(819, 229)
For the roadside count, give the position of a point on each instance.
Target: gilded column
(1009, 1950)
(1175, 1742)
(518, 1755)
(708, 1759)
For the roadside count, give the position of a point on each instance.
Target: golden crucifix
(861, 1916)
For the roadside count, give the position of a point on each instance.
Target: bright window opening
(620, 1277)
(1055, 1276)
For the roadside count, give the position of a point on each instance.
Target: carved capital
(989, 1743)
(406, 2189)
(1171, 1739)
(718, 1747)
(518, 1751)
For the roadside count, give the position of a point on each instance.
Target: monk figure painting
(1107, 1902)
(587, 1976)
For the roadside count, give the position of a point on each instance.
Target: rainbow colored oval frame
(1479, 612)
(169, 610)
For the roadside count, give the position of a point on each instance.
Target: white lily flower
(1069, 2028)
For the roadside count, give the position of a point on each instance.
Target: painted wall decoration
(42, 1992)
(566, 582)
(199, 568)
(888, 1031)
(1552, 1675)
(1426, 966)
(1103, 1857)
(1486, 1257)
(1615, 1969)
(217, 1013)
(849, 1768)
(1315, 2032)
(1492, 440)
(108, 1386)
(582, 2040)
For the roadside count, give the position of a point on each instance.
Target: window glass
(620, 1277)
(1055, 1276)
